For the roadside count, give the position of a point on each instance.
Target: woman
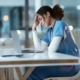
(58, 38)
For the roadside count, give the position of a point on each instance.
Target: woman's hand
(36, 22)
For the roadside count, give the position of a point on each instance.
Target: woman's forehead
(39, 16)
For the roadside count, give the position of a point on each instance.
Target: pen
(12, 55)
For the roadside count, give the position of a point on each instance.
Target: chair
(75, 77)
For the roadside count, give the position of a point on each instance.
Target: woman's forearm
(36, 40)
(38, 44)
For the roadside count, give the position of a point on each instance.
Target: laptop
(17, 44)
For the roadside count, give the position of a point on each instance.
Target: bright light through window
(5, 17)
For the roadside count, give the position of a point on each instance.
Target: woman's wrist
(34, 27)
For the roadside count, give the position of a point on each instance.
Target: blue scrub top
(67, 45)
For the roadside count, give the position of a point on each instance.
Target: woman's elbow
(51, 50)
(38, 48)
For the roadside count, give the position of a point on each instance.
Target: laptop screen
(17, 46)
(16, 40)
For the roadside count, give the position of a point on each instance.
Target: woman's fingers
(36, 19)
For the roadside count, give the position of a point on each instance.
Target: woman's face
(44, 20)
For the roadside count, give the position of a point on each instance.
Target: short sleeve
(59, 29)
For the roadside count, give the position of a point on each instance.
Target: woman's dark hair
(56, 12)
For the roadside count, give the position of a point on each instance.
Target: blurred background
(19, 15)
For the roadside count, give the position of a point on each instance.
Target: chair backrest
(75, 77)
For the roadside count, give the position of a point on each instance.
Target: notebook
(17, 44)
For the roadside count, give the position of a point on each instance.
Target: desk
(33, 60)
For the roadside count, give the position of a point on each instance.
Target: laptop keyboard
(31, 51)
